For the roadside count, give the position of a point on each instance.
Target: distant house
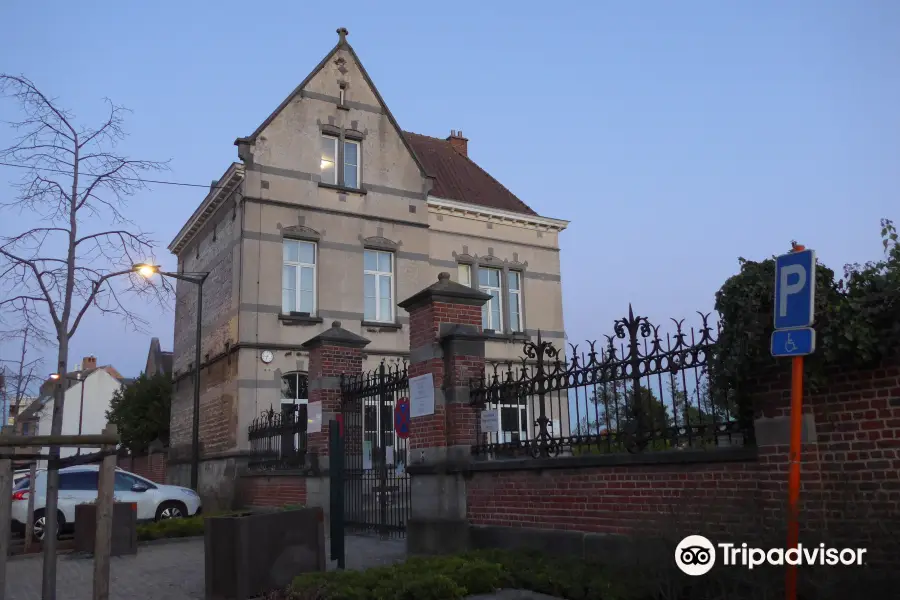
(89, 390)
(158, 360)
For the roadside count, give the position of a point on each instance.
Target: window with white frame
(464, 274)
(378, 286)
(294, 410)
(328, 165)
(513, 423)
(298, 277)
(351, 164)
(492, 311)
(514, 284)
(343, 169)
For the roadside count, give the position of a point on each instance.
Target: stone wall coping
(671, 457)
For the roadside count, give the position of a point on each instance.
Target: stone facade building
(333, 212)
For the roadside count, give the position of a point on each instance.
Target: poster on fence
(490, 421)
(314, 417)
(421, 395)
(367, 455)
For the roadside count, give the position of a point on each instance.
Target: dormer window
(340, 168)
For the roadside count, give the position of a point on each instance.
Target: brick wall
(272, 490)
(152, 467)
(850, 474)
(216, 245)
(218, 408)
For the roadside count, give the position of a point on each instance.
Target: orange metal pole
(793, 534)
(793, 537)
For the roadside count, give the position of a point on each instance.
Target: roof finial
(342, 33)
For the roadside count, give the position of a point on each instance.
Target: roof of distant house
(458, 177)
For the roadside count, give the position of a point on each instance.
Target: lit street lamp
(148, 270)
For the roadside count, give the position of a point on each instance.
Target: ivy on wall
(857, 317)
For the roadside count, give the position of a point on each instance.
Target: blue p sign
(795, 289)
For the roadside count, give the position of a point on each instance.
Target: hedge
(455, 577)
(186, 526)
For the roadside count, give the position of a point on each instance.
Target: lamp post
(148, 270)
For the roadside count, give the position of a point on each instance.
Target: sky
(676, 136)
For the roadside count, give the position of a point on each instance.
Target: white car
(78, 485)
(19, 476)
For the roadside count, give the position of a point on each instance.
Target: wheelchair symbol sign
(789, 346)
(793, 342)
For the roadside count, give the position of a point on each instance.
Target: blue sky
(676, 136)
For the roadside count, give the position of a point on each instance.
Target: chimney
(459, 143)
(89, 362)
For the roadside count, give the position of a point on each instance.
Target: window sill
(343, 107)
(299, 320)
(382, 326)
(341, 188)
(511, 337)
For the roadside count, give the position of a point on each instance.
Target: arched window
(295, 388)
(294, 400)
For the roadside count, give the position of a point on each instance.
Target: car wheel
(171, 510)
(39, 529)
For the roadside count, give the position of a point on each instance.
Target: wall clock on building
(267, 356)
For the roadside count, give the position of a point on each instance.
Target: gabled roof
(457, 177)
(342, 44)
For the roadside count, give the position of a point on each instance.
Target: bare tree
(79, 254)
(22, 375)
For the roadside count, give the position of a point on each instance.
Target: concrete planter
(250, 554)
(124, 528)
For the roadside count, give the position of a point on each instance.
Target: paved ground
(167, 571)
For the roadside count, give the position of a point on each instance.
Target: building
(335, 213)
(88, 392)
(158, 360)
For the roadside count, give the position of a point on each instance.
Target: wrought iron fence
(643, 390)
(278, 439)
(376, 485)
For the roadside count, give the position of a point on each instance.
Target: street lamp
(147, 270)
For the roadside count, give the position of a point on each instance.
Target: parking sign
(795, 289)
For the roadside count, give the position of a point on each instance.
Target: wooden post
(29, 526)
(103, 541)
(5, 511)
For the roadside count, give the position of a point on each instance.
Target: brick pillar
(332, 353)
(445, 340)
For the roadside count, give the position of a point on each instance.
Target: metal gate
(376, 486)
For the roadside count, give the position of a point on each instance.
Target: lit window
(379, 286)
(335, 170)
(464, 274)
(351, 164)
(298, 277)
(492, 312)
(515, 301)
(328, 164)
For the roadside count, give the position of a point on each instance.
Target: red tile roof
(457, 177)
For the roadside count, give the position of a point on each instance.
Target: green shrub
(187, 526)
(454, 577)
(171, 528)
